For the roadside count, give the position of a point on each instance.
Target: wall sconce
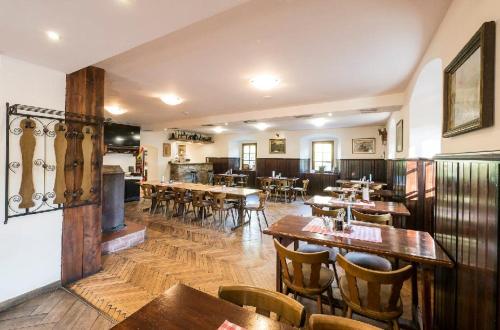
(383, 134)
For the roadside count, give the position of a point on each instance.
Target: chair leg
(265, 218)
(336, 274)
(329, 292)
(258, 220)
(319, 305)
(348, 314)
(395, 325)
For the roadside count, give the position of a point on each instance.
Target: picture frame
(364, 146)
(399, 136)
(468, 100)
(167, 150)
(277, 146)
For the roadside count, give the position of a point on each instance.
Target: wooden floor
(55, 310)
(174, 252)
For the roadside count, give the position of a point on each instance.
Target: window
(249, 152)
(322, 155)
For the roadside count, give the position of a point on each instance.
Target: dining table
(341, 190)
(240, 193)
(183, 307)
(341, 181)
(416, 247)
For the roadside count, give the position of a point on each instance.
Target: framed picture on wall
(181, 150)
(363, 146)
(468, 101)
(277, 146)
(399, 136)
(167, 150)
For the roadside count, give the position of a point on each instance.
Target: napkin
(230, 326)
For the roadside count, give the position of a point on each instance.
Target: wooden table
(344, 190)
(416, 247)
(393, 208)
(236, 192)
(360, 182)
(183, 307)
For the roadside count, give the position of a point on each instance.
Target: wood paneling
(466, 225)
(289, 167)
(81, 242)
(252, 178)
(319, 181)
(358, 168)
(223, 164)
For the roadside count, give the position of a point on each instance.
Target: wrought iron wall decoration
(38, 142)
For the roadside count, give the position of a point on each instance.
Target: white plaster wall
(123, 160)
(463, 19)
(30, 246)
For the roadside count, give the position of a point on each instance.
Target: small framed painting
(469, 90)
(399, 136)
(167, 150)
(363, 146)
(277, 146)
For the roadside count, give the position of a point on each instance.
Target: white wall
(30, 246)
(423, 105)
(123, 160)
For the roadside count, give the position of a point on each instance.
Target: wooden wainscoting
(357, 168)
(223, 164)
(466, 225)
(81, 239)
(319, 181)
(289, 167)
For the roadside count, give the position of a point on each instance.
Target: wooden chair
(287, 310)
(282, 189)
(381, 219)
(330, 322)
(335, 194)
(163, 199)
(229, 181)
(221, 208)
(375, 186)
(243, 182)
(302, 190)
(148, 193)
(181, 202)
(305, 275)
(200, 204)
(266, 184)
(351, 185)
(371, 293)
(258, 208)
(218, 180)
(314, 248)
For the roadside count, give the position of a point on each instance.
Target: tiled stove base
(128, 237)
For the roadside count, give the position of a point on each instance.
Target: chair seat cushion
(326, 277)
(385, 294)
(313, 248)
(369, 261)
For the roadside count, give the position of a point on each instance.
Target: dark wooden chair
(381, 219)
(260, 207)
(304, 274)
(266, 184)
(282, 189)
(221, 208)
(301, 190)
(218, 180)
(287, 310)
(148, 193)
(200, 204)
(373, 294)
(182, 201)
(330, 322)
(163, 199)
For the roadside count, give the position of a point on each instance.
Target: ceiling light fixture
(54, 36)
(264, 82)
(218, 129)
(171, 99)
(115, 110)
(330, 114)
(261, 126)
(318, 122)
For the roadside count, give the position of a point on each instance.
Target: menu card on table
(363, 233)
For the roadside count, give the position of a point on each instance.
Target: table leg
(426, 298)
(241, 210)
(279, 282)
(414, 294)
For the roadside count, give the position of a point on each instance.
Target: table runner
(363, 233)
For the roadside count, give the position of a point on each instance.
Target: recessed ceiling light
(115, 110)
(261, 126)
(265, 82)
(267, 96)
(225, 124)
(218, 129)
(318, 122)
(171, 99)
(54, 36)
(329, 114)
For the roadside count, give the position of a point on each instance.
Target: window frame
(313, 161)
(243, 154)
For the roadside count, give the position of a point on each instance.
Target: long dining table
(239, 193)
(415, 247)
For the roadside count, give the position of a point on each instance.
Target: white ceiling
(93, 30)
(336, 120)
(323, 51)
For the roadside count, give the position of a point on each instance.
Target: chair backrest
(198, 197)
(229, 180)
(282, 183)
(374, 281)
(218, 179)
(299, 259)
(243, 180)
(179, 194)
(375, 186)
(350, 185)
(218, 200)
(305, 184)
(263, 195)
(330, 322)
(319, 212)
(335, 194)
(287, 310)
(383, 219)
(147, 190)
(161, 193)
